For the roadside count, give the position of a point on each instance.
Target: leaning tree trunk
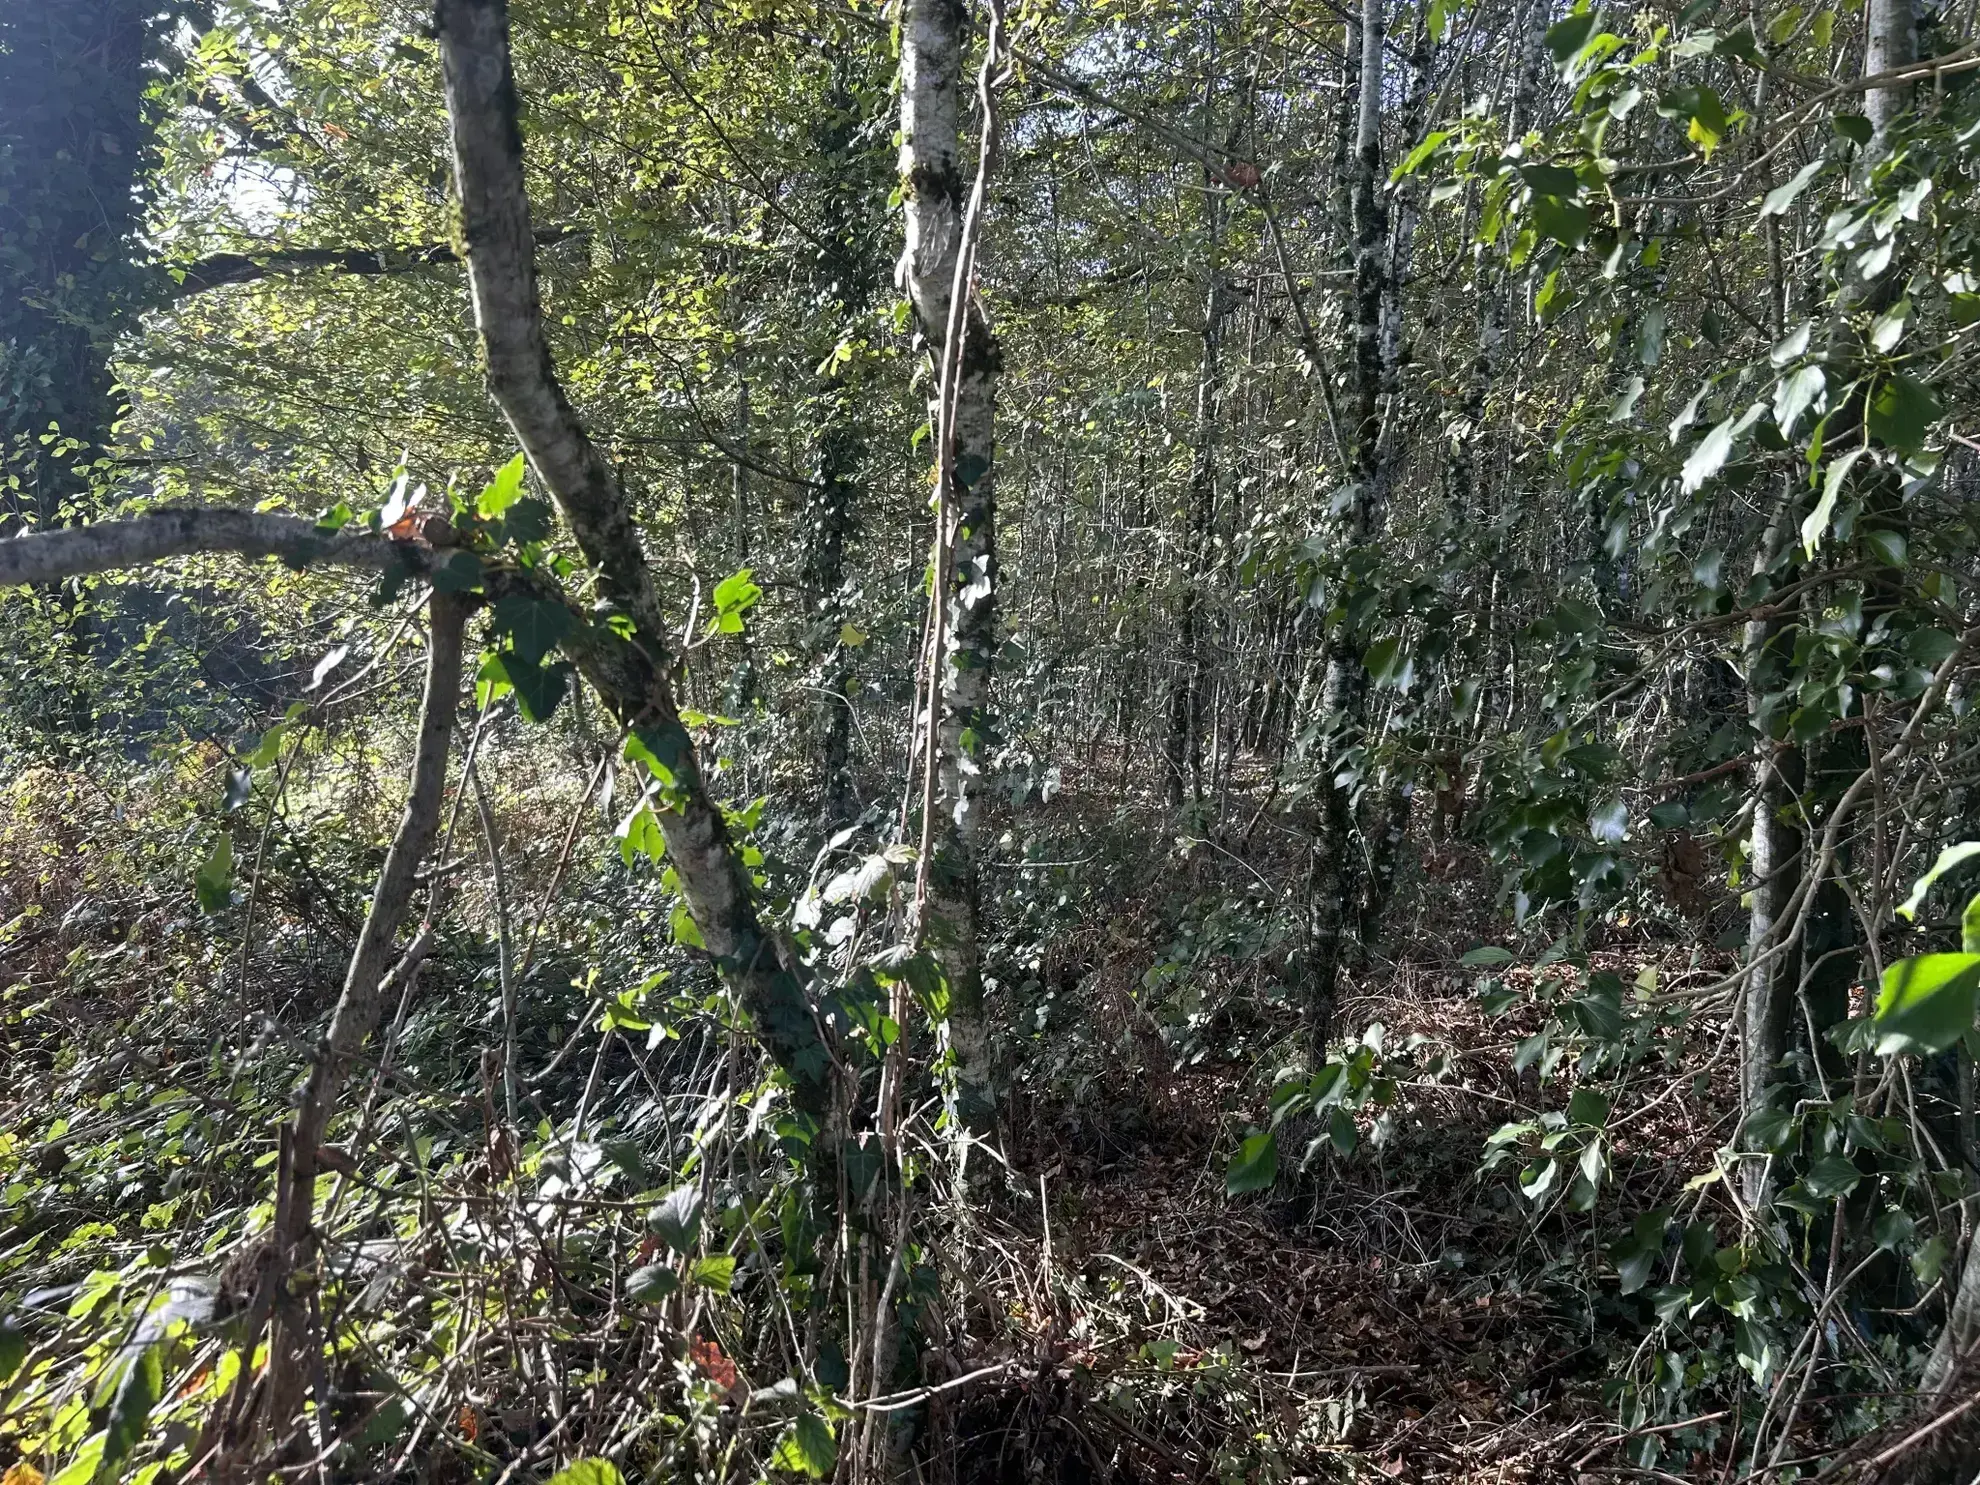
(632, 675)
(931, 73)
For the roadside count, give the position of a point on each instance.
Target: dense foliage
(1130, 741)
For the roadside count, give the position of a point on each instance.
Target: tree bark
(358, 1007)
(495, 219)
(931, 72)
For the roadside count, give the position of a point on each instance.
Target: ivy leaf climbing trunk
(956, 333)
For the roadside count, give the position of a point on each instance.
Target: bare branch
(105, 546)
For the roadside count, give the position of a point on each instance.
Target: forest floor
(1397, 1315)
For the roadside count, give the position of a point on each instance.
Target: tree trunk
(358, 1007)
(931, 70)
(634, 678)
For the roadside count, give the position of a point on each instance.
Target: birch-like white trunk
(931, 176)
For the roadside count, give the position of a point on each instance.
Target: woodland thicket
(975, 742)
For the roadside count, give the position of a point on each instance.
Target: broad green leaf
(1817, 524)
(1794, 395)
(1902, 412)
(1566, 38)
(808, 1448)
(677, 1218)
(1831, 1176)
(538, 688)
(1926, 1003)
(1769, 1128)
(717, 1271)
(137, 1394)
(653, 1283)
(535, 626)
(213, 883)
(13, 1348)
(1485, 956)
(1586, 1106)
(1778, 200)
(1341, 1130)
(1710, 456)
(1949, 858)
(1854, 127)
(1255, 1166)
(502, 492)
(1566, 222)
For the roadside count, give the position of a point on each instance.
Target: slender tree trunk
(632, 675)
(1339, 865)
(1774, 965)
(357, 1013)
(931, 73)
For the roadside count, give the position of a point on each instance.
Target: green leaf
(1949, 858)
(535, 626)
(687, 932)
(1566, 222)
(1705, 115)
(1608, 822)
(1669, 815)
(717, 1271)
(1485, 956)
(1566, 38)
(1769, 1128)
(1778, 200)
(213, 883)
(1926, 1003)
(1255, 1166)
(808, 1448)
(1794, 395)
(677, 1218)
(653, 1283)
(528, 520)
(736, 592)
(1432, 142)
(1902, 412)
(1831, 1176)
(1587, 1107)
(130, 1407)
(1341, 1130)
(589, 1472)
(639, 835)
(538, 687)
(13, 1348)
(1715, 448)
(459, 573)
(1817, 524)
(502, 492)
(1854, 127)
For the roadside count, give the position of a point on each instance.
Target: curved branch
(104, 546)
(217, 270)
(633, 678)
